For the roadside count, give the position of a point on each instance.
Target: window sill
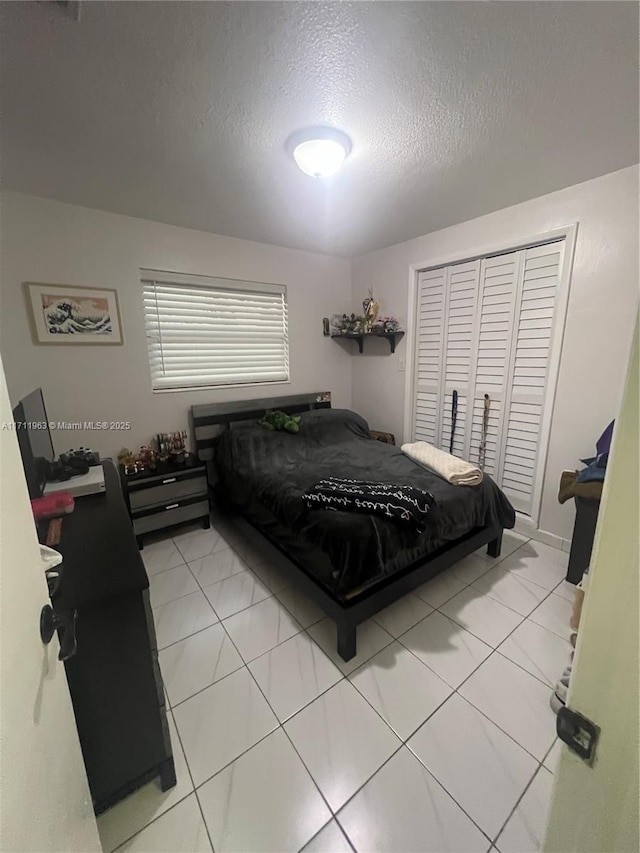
(196, 388)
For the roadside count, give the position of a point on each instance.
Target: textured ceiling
(179, 112)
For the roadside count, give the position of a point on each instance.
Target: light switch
(401, 365)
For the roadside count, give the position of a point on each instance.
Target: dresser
(114, 677)
(166, 497)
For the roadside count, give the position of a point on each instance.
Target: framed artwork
(64, 314)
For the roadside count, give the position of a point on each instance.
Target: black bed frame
(209, 420)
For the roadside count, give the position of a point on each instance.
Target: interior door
(431, 308)
(46, 804)
(458, 348)
(494, 329)
(523, 447)
(595, 808)
(445, 342)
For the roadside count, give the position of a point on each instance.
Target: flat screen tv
(34, 439)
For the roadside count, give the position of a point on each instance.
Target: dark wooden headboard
(208, 420)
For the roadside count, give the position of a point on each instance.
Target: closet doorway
(485, 351)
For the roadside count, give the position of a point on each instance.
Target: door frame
(567, 232)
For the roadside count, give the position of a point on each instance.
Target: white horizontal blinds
(458, 347)
(528, 370)
(495, 321)
(429, 345)
(206, 331)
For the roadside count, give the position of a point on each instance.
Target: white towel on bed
(456, 471)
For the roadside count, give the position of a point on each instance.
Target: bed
(351, 565)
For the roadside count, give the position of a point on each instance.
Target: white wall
(47, 241)
(602, 305)
(604, 681)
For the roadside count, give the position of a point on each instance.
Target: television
(34, 438)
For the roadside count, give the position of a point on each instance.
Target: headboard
(208, 420)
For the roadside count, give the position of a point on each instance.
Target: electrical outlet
(401, 365)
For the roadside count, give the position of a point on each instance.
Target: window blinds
(204, 332)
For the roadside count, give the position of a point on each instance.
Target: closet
(487, 327)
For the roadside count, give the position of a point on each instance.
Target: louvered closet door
(528, 372)
(458, 348)
(429, 346)
(485, 328)
(495, 321)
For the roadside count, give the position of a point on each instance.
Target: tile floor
(437, 737)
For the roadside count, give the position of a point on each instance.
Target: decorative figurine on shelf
(387, 324)
(351, 324)
(348, 324)
(337, 324)
(371, 309)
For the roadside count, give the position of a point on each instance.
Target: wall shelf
(392, 337)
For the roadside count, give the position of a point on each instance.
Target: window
(203, 332)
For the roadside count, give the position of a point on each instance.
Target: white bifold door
(488, 327)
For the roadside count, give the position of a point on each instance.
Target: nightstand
(166, 497)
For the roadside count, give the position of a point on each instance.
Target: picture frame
(65, 314)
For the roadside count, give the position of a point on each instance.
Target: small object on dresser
(147, 459)
(173, 446)
(128, 461)
(55, 472)
(54, 532)
(325, 327)
(126, 457)
(53, 505)
(80, 458)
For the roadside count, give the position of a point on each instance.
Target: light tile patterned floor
(438, 736)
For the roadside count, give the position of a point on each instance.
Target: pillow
(247, 442)
(328, 425)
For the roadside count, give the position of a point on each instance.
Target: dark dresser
(114, 677)
(169, 496)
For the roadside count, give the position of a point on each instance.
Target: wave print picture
(64, 314)
(66, 317)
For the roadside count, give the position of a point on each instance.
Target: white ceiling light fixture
(319, 151)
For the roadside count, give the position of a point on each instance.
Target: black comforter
(265, 474)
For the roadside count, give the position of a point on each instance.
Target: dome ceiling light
(319, 151)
